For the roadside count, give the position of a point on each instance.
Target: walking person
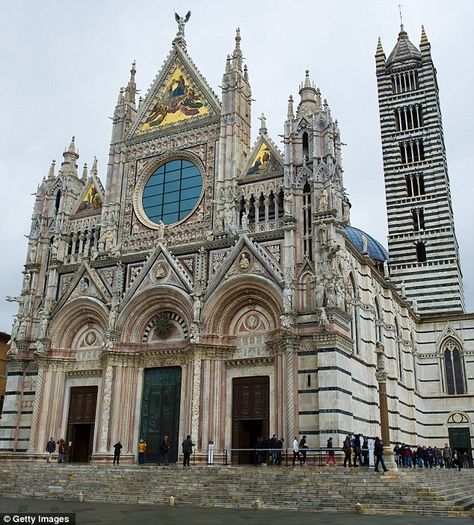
(141, 451)
(274, 449)
(378, 451)
(280, 444)
(330, 451)
(164, 449)
(365, 452)
(346, 448)
(447, 456)
(357, 449)
(61, 451)
(50, 449)
(187, 450)
(303, 446)
(296, 450)
(117, 452)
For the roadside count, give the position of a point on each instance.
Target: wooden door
(250, 414)
(81, 422)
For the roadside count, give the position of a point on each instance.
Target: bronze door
(250, 415)
(81, 422)
(160, 411)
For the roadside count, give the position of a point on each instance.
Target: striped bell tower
(424, 254)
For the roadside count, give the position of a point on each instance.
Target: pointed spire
(424, 39)
(263, 124)
(84, 173)
(291, 113)
(131, 88)
(69, 166)
(94, 166)
(51, 170)
(72, 146)
(237, 54)
(307, 81)
(379, 50)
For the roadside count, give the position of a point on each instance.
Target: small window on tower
(305, 146)
(420, 252)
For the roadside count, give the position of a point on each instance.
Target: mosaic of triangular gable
(178, 99)
(264, 162)
(90, 200)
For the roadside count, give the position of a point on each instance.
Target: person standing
(296, 453)
(346, 448)
(141, 451)
(50, 449)
(365, 452)
(447, 456)
(357, 449)
(330, 451)
(378, 451)
(117, 452)
(164, 449)
(187, 450)
(61, 451)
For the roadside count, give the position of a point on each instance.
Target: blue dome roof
(375, 249)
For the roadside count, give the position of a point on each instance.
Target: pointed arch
(454, 369)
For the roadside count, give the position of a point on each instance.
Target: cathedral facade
(216, 287)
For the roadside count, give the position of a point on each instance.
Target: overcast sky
(63, 63)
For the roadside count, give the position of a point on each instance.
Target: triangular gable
(85, 283)
(171, 272)
(178, 95)
(264, 160)
(263, 261)
(91, 199)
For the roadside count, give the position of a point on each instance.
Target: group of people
(51, 449)
(356, 449)
(430, 457)
(164, 448)
(268, 450)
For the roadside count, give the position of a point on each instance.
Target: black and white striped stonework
(422, 244)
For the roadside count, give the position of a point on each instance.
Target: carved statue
(403, 289)
(365, 244)
(161, 230)
(323, 200)
(288, 204)
(84, 284)
(323, 236)
(229, 226)
(386, 270)
(245, 222)
(323, 318)
(194, 333)
(346, 211)
(287, 299)
(182, 23)
(244, 262)
(33, 254)
(197, 306)
(44, 323)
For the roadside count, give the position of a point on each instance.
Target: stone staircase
(429, 492)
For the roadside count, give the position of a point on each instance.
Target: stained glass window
(172, 191)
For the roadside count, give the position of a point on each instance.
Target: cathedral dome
(375, 249)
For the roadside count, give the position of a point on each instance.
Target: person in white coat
(296, 449)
